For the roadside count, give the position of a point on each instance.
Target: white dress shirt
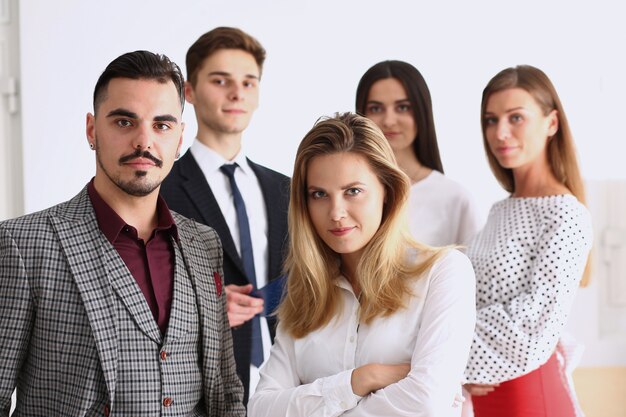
(210, 163)
(311, 376)
(442, 212)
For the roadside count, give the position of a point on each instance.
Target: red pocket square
(218, 283)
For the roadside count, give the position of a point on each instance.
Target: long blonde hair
(561, 149)
(384, 271)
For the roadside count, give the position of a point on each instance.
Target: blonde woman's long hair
(561, 149)
(385, 270)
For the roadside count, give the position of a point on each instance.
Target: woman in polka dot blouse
(530, 257)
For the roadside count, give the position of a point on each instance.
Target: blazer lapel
(201, 269)
(272, 193)
(200, 194)
(83, 245)
(129, 293)
(183, 302)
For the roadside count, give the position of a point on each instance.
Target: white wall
(317, 51)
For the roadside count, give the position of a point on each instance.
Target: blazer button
(163, 355)
(167, 401)
(106, 410)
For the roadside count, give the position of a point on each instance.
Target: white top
(529, 260)
(442, 212)
(311, 376)
(248, 184)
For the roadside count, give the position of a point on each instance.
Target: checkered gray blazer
(56, 325)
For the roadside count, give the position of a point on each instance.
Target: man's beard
(139, 186)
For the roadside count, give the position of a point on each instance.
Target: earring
(91, 146)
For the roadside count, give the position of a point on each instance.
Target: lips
(391, 134)
(234, 111)
(140, 162)
(505, 149)
(342, 231)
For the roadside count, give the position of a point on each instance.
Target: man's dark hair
(221, 38)
(140, 65)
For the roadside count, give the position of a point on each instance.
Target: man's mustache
(141, 154)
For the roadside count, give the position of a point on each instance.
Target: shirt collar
(111, 224)
(211, 161)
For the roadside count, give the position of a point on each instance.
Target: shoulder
(191, 230)
(39, 222)
(451, 266)
(440, 184)
(561, 210)
(267, 173)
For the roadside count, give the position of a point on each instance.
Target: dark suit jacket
(57, 316)
(188, 193)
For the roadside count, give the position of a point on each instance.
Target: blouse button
(163, 355)
(167, 401)
(351, 339)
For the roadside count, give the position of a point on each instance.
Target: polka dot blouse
(529, 260)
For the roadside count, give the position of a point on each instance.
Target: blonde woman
(530, 257)
(373, 323)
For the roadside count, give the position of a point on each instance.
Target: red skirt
(540, 393)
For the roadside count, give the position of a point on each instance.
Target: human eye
(219, 81)
(317, 194)
(373, 109)
(516, 118)
(162, 126)
(249, 84)
(353, 191)
(123, 123)
(490, 120)
(403, 108)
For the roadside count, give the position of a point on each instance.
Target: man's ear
(90, 129)
(189, 93)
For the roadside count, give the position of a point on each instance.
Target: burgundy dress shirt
(151, 263)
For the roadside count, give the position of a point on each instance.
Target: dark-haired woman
(395, 96)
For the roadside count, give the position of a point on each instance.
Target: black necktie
(245, 244)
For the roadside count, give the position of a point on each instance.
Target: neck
(348, 269)
(533, 182)
(411, 166)
(227, 145)
(139, 212)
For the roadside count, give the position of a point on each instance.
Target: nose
(337, 210)
(143, 138)
(236, 92)
(389, 118)
(503, 131)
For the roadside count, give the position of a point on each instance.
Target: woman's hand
(374, 376)
(480, 389)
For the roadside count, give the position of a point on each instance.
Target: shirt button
(167, 401)
(351, 339)
(342, 404)
(163, 355)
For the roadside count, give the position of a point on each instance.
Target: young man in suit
(244, 202)
(110, 303)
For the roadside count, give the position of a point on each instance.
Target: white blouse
(529, 260)
(311, 376)
(442, 212)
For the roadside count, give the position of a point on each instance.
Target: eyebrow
(228, 74)
(396, 102)
(344, 187)
(123, 112)
(507, 110)
(165, 118)
(133, 115)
